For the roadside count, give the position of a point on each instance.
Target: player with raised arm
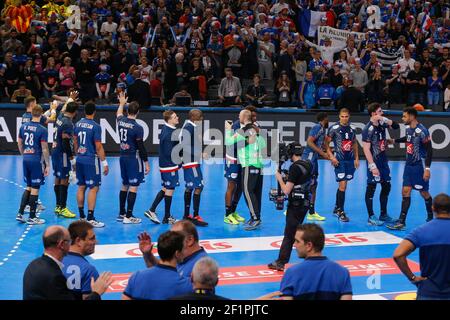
(133, 158)
(374, 146)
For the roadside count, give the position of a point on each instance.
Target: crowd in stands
(254, 52)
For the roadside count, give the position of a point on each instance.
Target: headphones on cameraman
(295, 148)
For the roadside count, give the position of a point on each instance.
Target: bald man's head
(52, 235)
(195, 115)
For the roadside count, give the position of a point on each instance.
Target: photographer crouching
(297, 188)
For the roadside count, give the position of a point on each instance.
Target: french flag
(426, 23)
(309, 21)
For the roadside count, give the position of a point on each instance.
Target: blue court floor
(242, 255)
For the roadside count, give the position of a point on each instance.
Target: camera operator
(297, 188)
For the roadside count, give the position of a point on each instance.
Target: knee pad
(370, 190)
(385, 188)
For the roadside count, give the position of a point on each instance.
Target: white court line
(24, 234)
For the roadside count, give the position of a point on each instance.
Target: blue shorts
(169, 180)
(385, 172)
(413, 177)
(232, 171)
(193, 177)
(88, 174)
(345, 170)
(61, 164)
(132, 170)
(33, 174)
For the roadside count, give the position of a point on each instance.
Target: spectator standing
(51, 77)
(395, 86)
(433, 241)
(256, 92)
(139, 91)
(300, 69)
(265, 52)
(359, 76)
(177, 74)
(406, 64)
(307, 92)
(197, 81)
(352, 98)
(375, 92)
(435, 88)
(67, 74)
(12, 73)
(286, 62)
(283, 90)
(85, 76)
(416, 85)
(230, 89)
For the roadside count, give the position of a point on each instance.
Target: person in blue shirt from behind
(133, 159)
(32, 143)
(326, 94)
(89, 150)
(161, 281)
(77, 270)
(192, 251)
(433, 241)
(317, 277)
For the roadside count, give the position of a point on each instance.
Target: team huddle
(77, 150)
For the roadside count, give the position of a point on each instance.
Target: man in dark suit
(139, 91)
(43, 278)
(204, 277)
(352, 99)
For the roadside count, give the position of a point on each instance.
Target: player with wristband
(415, 176)
(374, 146)
(89, 151)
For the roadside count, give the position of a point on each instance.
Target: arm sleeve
(347, 285)
(293, 174)
(142, 151)
(414, 237)
(286, 285)
(44, 135)
(98, 133)
(66, 147)
(366, 135)
(395, 125)
(429, 150)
